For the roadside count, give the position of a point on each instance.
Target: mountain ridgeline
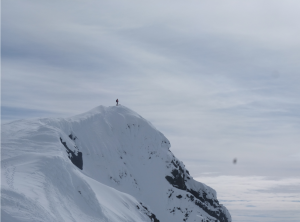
(108, 164)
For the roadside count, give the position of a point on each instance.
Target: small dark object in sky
(234, 160)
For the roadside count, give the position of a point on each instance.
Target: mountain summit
(108, 164)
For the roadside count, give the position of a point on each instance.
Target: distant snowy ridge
(108, 164)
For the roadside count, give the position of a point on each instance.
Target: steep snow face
(108, 164)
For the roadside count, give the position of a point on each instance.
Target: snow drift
(108, 164)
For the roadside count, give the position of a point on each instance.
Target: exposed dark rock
(186, 213)
(72, 137)
(200, 199)
(203, 198)
(171, 192)
(75, 159)
(177, 180)
(179, 196)
(148, 213)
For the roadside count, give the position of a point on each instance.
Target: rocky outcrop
(75, 156)
(180, 179)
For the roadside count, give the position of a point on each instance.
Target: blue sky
(219, 79)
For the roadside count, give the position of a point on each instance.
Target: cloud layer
(257, 198)
(219, 79)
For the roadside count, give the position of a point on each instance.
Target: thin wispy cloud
(257, 198)
(219, 79)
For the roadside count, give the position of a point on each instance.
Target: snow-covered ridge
(108, 164)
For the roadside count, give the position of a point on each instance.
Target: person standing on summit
(117, 101)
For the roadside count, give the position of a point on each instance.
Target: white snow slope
(108, 164)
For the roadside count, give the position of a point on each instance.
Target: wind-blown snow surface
(108, 164)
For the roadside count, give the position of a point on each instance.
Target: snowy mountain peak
(108, 164)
